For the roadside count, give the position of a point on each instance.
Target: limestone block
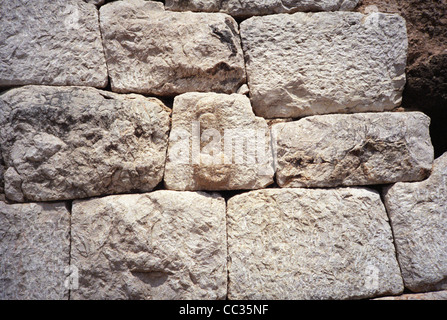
(34, 251)
(239, 8)
(160, 245)
(159, 52)
(63, 143)
(352, 150)
(418, 213)
(330, 62)
(217, 143)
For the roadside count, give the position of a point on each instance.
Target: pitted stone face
(51, 42)
(328, 62)
(353, 150)
(159, 245)
(159, 52)
(35, 251)
(62, 143)
(418, 214)
(310, 244)
(217, 143)
(2, 181)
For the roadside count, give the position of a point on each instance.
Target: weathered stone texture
(159, 52)
(239, 8)
(51, 42)
(34, 251)
(310, 244)
(74, 142)
(426, 87)
(217, 143)
(437, 295)
(350, 150)
(160, 245)
(2, 180)
(317, 63)
(95, 2)
(418, 213)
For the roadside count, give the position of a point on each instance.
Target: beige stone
(353, 150)
(437, 295)
(34, 251)
(418, 213)
(51, 42)
(330, 62)
(63, 143)
(217, 143)
(239, 8)
(160, 245)
(159, 52)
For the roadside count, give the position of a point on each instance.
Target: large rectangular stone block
(418, 213)
(34, 251)
(310, 244)
(159, 52)
(51, 42)
(63, 143)
(160, 245)
(352, 150)
(217, 143)
(317, 63)
(431, 296)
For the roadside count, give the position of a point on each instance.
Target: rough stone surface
(160, 245)
(239, 8)
(418, 213)
(51, 42)
(74, 142)
(159, 52)
(350, 150)
(34, 251)
(217, 143)
(317, 63)
(310, 244)
(437, 295)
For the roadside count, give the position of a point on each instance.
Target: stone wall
(222, 150)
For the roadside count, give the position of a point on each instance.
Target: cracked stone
(243, 9)
(310, 244)
(212, 138)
